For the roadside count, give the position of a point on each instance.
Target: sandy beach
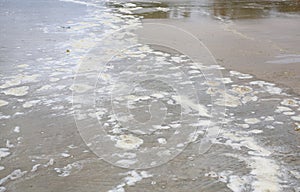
(149, 96)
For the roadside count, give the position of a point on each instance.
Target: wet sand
(267, 47)
(61, 131)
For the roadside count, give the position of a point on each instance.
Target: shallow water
(76, 111)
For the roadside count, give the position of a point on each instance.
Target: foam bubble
(252, 121)
(18, 91)
(289, 102)
(281, 109)
(296, 118)
(65, 155)
(17, 129)
(162, 140)
(128, 142)
(4, 152)
(29, 104)
(3, 103)
(242, 90)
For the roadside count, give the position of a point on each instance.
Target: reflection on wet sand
(253, 9)
(228, 9)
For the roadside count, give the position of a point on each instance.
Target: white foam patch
(163, 9)
(129, 5)
(18, 91)
(273, 90)
(23, 66)
(225, 80)
(281, 109)
(256, 131)
(5, 116)
(264, 175)
(289, 113)
(35, 168)
(131, 179)
(162, 140)
(270, 127)
(236, 142)
(248, 98)
(49, 163)
(289, 102)
(242, 90)
(245, 126)
(29, 104)
(158, 95)
(4, 152)
(261, 83)
(240, 75)
(128, 142)
(53, 79)
(295, 173)
(18, 79)
(10, 83)
(65, 155)
(2, 189)
(8, 144)
(211, 174)
(269, 87)
(252, 121)
(126, 162)
(16, 174)
(269, 118)
(278, 122)
(161, 127)
(17, 129)
(81, 88)
(194, 72)
(44, 88)
(186, 102)
(237, 183)
(3, 103)
(228, 101)
(66, 171)
(211, 91)
(125, 10)
(296, 118)
(142, 98)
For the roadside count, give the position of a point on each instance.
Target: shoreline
(78, 134)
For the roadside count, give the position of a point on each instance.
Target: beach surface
(149, 96)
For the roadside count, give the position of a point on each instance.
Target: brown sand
(248, 46)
